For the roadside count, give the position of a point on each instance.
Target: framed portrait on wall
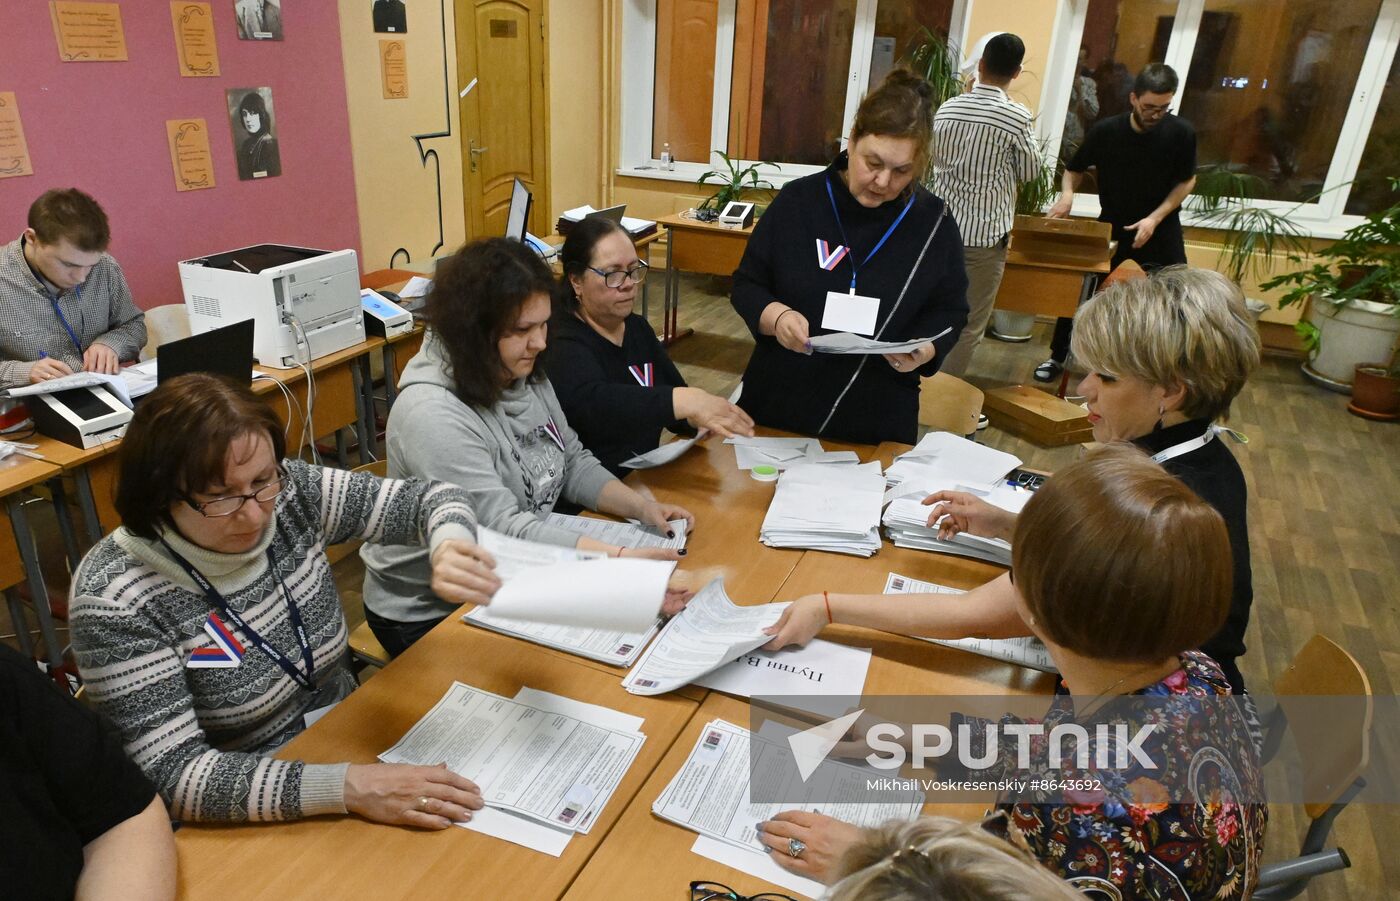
(390, 17)
(254, 133)
(259, 20)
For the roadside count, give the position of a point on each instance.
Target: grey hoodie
(505, 458)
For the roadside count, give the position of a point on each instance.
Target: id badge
(853, 313)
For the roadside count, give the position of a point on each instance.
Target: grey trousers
(985, 266)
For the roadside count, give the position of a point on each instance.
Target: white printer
(304, 303)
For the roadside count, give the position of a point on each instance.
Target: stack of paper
(820, 678)
(635, 227)
(711, 631)
(710, 795)
(117, 383)
(942, 458)
(1028, 651)
(827, 508)
(572, 600)
(847, 343)
(785, 452)
(906, 523)
(546, 764)
(624, 534)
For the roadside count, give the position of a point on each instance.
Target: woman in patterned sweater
(208, 626)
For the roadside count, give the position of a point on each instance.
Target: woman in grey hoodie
(475, 410)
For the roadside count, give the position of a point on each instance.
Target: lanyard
(1185, 447)
(851, 255)
(306, 680)
(72, 335)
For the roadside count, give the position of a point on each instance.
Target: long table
(630, 853)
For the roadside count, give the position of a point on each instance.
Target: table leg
(391, 391)
(644, 284)
(671, 282)
(29, 557)
(20, 621)
(364, 425)
(71, 549)
(87, 505)
(341, 456)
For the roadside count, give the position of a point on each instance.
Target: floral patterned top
(1124, 839)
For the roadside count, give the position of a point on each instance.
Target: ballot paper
(785, 452)
(710, 793)
(820, 678)
(710, 632)
(906, 522)
(560, 586)
(944, 457)
(662, 455)
(847, 343)
(624, 534)
(554, 763)
(116, 383)
(416, 287)
(826, 508)
(1028, 651)
(603, 645)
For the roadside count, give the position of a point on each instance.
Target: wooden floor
(1324, 533)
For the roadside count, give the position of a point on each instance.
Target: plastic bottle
(667, 161)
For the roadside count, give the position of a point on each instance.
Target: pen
(43, 354)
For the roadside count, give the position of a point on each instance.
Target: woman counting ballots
(861, 247)
(208, 627)
(475, 409)
(615, 382)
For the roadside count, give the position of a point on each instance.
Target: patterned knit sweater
(204, 735)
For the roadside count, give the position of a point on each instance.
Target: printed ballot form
(555, 766)
(624, 534)
(1028, 651)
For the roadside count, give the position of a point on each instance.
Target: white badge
(850, 313)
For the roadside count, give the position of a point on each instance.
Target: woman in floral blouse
(1119, 569)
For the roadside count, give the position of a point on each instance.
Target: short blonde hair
(1118, 560)
(946, 859)
(1177, 326)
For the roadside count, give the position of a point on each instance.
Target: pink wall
(101, 127)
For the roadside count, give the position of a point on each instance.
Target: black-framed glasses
(702, 890)
(227, 506)
(618, 277)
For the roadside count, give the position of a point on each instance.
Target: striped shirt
(99, 310)
(204, 736)
(983, 147)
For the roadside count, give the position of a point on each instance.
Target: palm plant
(734, 179)
(1255, 236)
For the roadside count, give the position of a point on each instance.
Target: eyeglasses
(227, 506)
(714, 891)
(617, 277)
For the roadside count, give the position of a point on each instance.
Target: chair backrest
(167, 322)
(948, 404)
(1335, 752)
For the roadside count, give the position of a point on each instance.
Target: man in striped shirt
(983, 148)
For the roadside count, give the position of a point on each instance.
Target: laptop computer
(518, 216)
(221, 351)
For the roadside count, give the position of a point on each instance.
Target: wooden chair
(364, 647)
(1334, 754)
(948, 404)
(167, 322)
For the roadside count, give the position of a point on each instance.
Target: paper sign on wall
(189, 154)
(194, 39)
(393, 67)
(88, 32)
(14, 153)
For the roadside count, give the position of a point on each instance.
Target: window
(1299, 94)
(775, 80)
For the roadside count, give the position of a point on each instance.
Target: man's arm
(126, 324)
(1144, 228)
(133, 859)
(1069, 183)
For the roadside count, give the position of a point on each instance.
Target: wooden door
(500, 44)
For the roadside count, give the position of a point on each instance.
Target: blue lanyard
(850, 251)
(306, 680)
(72, 335)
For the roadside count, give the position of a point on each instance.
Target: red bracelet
(827, 601)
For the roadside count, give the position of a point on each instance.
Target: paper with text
(1028, 651)
(847, 343)
(623, 534)
(820, 678)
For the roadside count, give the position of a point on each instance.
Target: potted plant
(734, 181)
(1375, 393)
(1353, 316)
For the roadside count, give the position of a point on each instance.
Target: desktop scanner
(383, 317)
(82, 417)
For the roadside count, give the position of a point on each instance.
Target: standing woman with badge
(614, 380)
(861, 247)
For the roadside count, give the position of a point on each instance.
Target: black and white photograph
(390, 17)
(259, 20)
(254, 133)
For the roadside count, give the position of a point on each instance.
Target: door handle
(475, 152)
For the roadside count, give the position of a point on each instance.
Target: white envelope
(850, 313)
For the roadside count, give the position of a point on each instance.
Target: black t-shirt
(1136, 172)
(64, 780)
(1213, 473)
(601, 387)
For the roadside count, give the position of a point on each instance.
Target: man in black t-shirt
(1145, 163)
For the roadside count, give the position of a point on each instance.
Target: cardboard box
(1037, 416)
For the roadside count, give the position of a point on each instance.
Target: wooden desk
(93, 472)
(345, 857)
(1044, 288)
(696, 246)
(19, 555)
(343, 398)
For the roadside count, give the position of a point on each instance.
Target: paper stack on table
(119, 385)
(1028, 651)
(625, 534)
(635, 227)
(710, 632)
(847, 343)
(546, 764)
(906, 523)
(785, 452)
(820, 678)
(710, 795)
(572, 600)
(941, 458)
(827, 508)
